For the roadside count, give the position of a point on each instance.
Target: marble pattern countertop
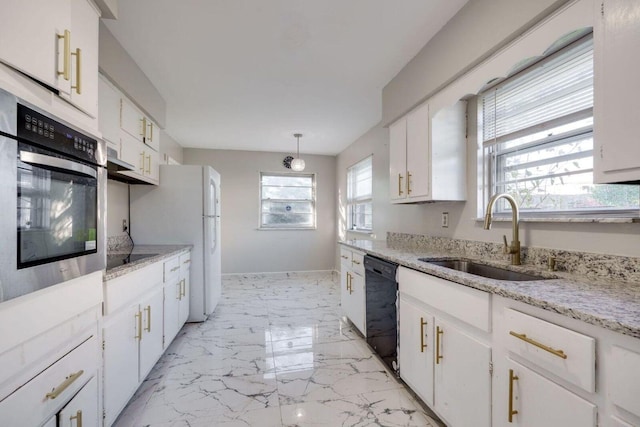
(161, 252)
(611, 304)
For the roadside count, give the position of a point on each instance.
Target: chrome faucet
(514, 249)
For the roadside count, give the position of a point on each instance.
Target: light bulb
(297, 165)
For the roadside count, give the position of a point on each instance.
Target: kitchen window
(287, 201)
(537, 138)
(360, 196)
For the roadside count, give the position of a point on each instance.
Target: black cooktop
(117, 260)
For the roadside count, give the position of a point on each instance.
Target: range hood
(114, 164)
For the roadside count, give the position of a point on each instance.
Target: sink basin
(482, 270)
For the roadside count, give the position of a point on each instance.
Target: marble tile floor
(275, 353)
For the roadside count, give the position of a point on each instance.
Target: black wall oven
(52, 189)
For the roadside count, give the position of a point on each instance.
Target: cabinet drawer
(345, 257)
(467, 304)
(357, 263)
(185, 261)
(172, 270)
(124, 289)
(31, 403)
(625, 379)
(561, 351)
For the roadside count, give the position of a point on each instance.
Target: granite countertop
(611, 304)
(157, 252)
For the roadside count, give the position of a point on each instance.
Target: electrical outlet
(445, 219)
(124, 225)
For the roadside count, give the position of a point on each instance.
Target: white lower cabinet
(144, 310)
(352, 288)
(416, 349)
(82, 410)
(534, 401)
(462, 377)
(444, 359)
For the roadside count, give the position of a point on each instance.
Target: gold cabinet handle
(148, 310)
(345, 257)
(184, 288)
(187, 261)
(535, 343)
(439, 332)
(63, 385)
(67, 52)
(179, 296)
(408, 182)
(78, 418)
(512, 411)
(143, 130)
(139, 324)
(78, 86)
(422, 344)
(142, 162)
(174, 269)
(399, 184)
(355, 262)
(149, 167)
(150, 125)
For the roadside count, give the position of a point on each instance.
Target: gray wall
(115, 63)
(246, 249)
(476, 31)
(117, 207)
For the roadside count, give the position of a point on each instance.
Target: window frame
(314, 226)
(351, 201)
(488, 159)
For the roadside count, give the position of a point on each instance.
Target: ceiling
(248, 74)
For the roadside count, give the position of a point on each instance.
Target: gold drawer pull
(422, 344)
(345, 257)
(438, 333)
(535, 343)
(63, 386)
(174, 269)
(512, 411)
(355, 262)
(187, 261)
(78, 418)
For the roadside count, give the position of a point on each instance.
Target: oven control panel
(46, 132)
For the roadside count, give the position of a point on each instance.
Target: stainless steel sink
(482, 270)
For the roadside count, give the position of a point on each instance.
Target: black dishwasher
(381, 293)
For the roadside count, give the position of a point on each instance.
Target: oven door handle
(56, 162)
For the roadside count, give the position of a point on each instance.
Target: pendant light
(297, 164)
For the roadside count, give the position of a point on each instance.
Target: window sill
(286, 228)
(587, 219)
(366, 232)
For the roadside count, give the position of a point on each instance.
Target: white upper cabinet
(427, 155)
(616, 108)
(56, 43)
(34, 41)
(109, 112)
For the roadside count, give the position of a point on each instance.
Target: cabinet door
(131, 120)
(132, 152)
(152, 164)
(29, 38)
(83, 408)
(185, 273)
(616, 66)
(109, 111)
(418, 162)
(345, 281)
(172, 302)
(84, 57)
(462, 377)
(120, 334)
(151, 345)
(357, 303)
(152, 136)
(416, 349)
(398, 159)
(541, 402)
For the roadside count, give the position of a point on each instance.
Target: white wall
(445, 56)
(117, 207)
(245, 249)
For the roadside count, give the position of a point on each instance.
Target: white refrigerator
(184, 209)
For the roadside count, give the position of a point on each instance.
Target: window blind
(555, 91)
